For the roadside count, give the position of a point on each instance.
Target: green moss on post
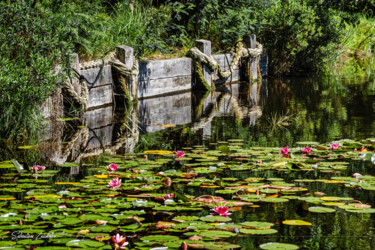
(200, 82)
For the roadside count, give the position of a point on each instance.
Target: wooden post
(205, 47)
(75, 81)
(126, 54)
(250, 42)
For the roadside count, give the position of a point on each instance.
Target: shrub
(296, 32)
(30, 52)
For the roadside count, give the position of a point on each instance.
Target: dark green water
(316, 110)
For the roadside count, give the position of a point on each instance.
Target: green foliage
(222, 22)
(354, 54)
(295, 32)
(357, 6)
(30, 52)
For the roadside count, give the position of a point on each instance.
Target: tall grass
(354, 55)
(123, 27)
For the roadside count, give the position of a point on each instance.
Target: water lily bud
(167, 182)
(184, 246)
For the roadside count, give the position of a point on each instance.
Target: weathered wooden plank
(164, 86)
(100, 96)
(103, 135)
(104, 79)
(100, 117)
(263, 63)
(205, 47)
(164, 69)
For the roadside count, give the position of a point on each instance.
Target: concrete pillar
(250, 42)
(126, 55)
(205, 47)
(75, 65)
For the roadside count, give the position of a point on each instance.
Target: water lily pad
(215, 219)
(6, 164)
(185, 218)
(332, 203)
(274, 200)
(362, 211)
(30, 242)
(278, 246)
(85, 244)
(69, 165)
(332, 198)
(103, 228)
(228, 226)
(216, 234)
(308, 143)
(321, 210)
(296, 223)
(258, 231)
(160, 238)
(257, 224)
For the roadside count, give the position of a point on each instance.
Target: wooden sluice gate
(152, 96)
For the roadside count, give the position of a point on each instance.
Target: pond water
(231, 140)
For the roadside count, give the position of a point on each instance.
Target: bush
(354, 54)
(30, 52)
(296, 32)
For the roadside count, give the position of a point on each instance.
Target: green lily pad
(7, 243)
(30, 242)
(85, 244)
(321, 210)
(258, 231)
(185, 218)
(362, 211)
(216, 234)
(274, 200)
(257, 224)
(279, 246)
(215, 219)
(160, 238)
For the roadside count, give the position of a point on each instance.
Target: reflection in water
(106, 130)
(306, 109)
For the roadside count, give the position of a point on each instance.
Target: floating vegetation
(196, 198)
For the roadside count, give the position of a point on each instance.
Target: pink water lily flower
(284, 151)
(168, 196)
(357, 176)
(114, 183)
(306, 150)
(179, 154)
(334, 146)
(35, 168)
(112, 167)
(221, 210)
(119, 242)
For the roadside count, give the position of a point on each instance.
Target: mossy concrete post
(126, 55)
(75, 81)
(205, 47)
(251, 43)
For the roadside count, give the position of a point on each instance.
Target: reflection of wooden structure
(100, 133)
(97, 135)
(156, 114)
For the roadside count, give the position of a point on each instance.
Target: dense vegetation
(302, 36)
